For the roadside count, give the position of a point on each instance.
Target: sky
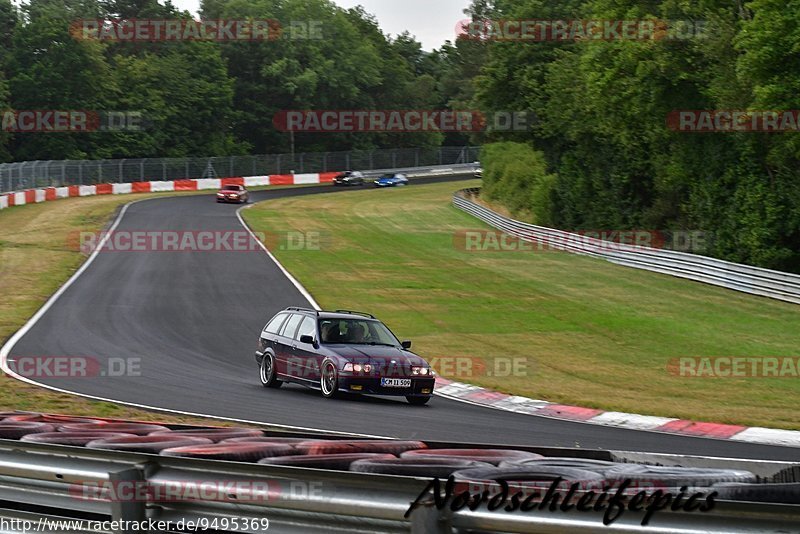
(432, 21)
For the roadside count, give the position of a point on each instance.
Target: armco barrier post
(427, 519)
(127, 510)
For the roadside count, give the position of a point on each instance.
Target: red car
(233, 193)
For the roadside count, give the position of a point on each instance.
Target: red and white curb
(35, 196)
(511, 403)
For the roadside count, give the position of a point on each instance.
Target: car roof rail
(297, 308)
(351, 312)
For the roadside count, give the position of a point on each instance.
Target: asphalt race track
(193, 319)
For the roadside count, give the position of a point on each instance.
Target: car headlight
(357, 368)
(421, 371)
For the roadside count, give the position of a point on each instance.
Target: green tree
(50, 69)
(8, 23)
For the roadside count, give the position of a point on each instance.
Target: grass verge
(589, 332)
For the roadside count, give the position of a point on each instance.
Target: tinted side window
(275, 324)
(291, 325)
(307, 328)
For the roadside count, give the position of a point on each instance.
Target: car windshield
(356, 332)
(231, 188)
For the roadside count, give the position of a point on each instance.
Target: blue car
(391, 180)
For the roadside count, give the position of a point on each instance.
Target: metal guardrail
(747, 279)
(45, 481)
(33, 174)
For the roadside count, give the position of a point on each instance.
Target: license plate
(396, 382)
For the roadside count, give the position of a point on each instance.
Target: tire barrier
(675, 477)
(18, 429)
(78, 439)
(335, 462)
(216, 434)
(491, 456)
(54, 419)
(356, 446)
(538, 478)
(783, 493)
(266, 439)
(16, 416)
(415, 467)
(146, 444)
(370, 491)
(139, 429)
(236, 452)
(598, 466)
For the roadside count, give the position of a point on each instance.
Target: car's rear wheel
(329, 380)
(418, 401)
(269, 378)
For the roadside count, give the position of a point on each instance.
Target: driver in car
(330, 333)
(356, 333)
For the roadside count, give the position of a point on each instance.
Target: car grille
(394, 371)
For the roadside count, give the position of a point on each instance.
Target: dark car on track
(233, 193)
(391, 180)
(341, 351)
(349, 178)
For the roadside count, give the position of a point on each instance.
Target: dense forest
(213, 97)
(599, 154)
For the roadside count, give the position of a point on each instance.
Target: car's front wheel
(329, 380)
(268, 375)
(418, 401)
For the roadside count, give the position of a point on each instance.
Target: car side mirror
(307, 339)
(406, 344)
